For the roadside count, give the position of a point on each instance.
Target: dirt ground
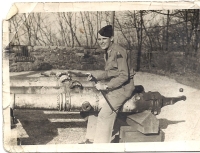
(179, 122)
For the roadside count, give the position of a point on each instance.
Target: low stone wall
(79, 58)
(58, 57)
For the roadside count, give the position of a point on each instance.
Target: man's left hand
(101, 86)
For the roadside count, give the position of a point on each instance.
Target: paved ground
(180, 122)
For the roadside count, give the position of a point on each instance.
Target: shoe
(87, 141)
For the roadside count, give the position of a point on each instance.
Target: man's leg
(91, 127)
(106, 117)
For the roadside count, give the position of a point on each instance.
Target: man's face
(104, 42)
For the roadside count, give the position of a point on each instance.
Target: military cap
(106, 31)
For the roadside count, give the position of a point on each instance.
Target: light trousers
(99, 129)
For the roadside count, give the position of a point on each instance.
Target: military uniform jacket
(118, 69)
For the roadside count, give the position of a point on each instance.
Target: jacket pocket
(113, 65)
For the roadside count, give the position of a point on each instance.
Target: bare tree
(196, 30)
(62, 29)
(27, 23)
(90, 28)
(121, 29)
(85, 31)
(139, 34)
(150, 44)
(15, 22)
(68, 18)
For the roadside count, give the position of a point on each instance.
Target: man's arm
(102, 76)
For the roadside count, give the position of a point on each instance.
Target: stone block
(146, 122)
(129, 134)
(124, 129)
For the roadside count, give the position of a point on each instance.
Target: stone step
(131, 134)
(19, 130)
(139, 137)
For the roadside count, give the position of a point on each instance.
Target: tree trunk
(151, 47)
(197, 31)
(85, 31)
(187, 36)
(139, 35)
(16, 31)
(121, 29)
(112, 21)
(167, 32)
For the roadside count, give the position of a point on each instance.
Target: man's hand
(101, 86)
(90, 77)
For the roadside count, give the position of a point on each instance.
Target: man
(119, 88)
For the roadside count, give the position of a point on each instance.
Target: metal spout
(172, 100)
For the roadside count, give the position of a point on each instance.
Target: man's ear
(112, 38)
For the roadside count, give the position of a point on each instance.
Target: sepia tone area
(164, 47)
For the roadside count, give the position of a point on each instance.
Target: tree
(62, 29)
(67, 16)
(84, 28)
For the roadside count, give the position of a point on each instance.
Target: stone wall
(54, 57)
